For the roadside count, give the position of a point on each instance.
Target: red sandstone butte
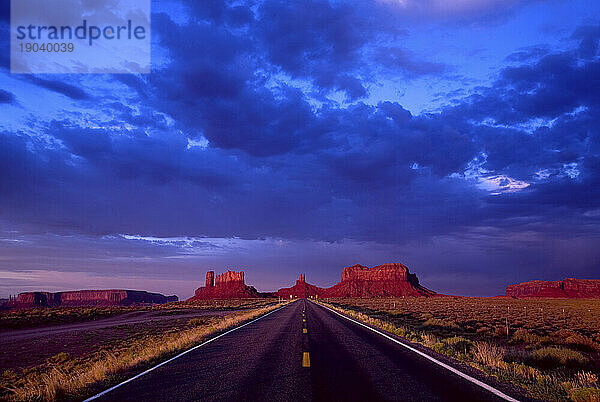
(229, 285)
(570, 288)
(77, 298)
(300, 290)
(360, 281)
(383, 280)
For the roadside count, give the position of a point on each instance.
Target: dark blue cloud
(5, 34)
(234, 134)
(6, 97)
(14, 163)
(588, 36)
(5, 12)
(548, 87)
(332, 44)
(314, 40)
(300, 169)
(221, 12)
(529, 54)
(399, 60)
(74, 92)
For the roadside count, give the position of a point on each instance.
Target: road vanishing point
(303, 352)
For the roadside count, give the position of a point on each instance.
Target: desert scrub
(586, 379)
(585, 395)
(59, 358)
(521, 335)
(507, 359)
(196, 321)
(489, 354)
(429, 340)
(438, 323)
(458, 345)
(71, 379)
(540, 316)
(552, 357)
(439, 347)
(455, 346)
(581, 342)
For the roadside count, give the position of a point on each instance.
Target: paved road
(265, 361)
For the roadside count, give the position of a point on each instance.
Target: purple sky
(460, 138)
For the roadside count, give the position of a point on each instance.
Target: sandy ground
(20, 348)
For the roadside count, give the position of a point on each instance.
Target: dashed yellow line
(305, 359)
(304, 331)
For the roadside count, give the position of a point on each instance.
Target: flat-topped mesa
(570, 288)
(41, 299)
(392, 279)
(105, 297)
(228, 285)
(384, 272)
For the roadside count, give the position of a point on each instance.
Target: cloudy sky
(461, 138)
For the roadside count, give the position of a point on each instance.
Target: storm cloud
(260, 129)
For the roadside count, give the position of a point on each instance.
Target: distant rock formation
(110, 297)
(360, 281)
(569, 288)
(300, 290)
(229, 285)
(383, 280)
(357, 281)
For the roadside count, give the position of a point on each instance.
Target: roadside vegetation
(39, 317)
(66, 377)
(45, 316)
(551, 348)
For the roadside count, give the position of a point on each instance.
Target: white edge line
(177, 356)
(425, 355)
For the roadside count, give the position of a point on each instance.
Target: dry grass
(540, 316)
(69, 379)
(549, 347)
(225, 304)
(489, 355)
(37, 317)
(553, 357)
(585, 395)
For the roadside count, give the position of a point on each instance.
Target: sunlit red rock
(383, 280)
(300, 290)
(360, 281)
(569, 288)
(229, 285)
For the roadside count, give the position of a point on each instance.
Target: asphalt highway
(301, 352)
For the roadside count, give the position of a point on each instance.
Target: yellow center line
(305, 359)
